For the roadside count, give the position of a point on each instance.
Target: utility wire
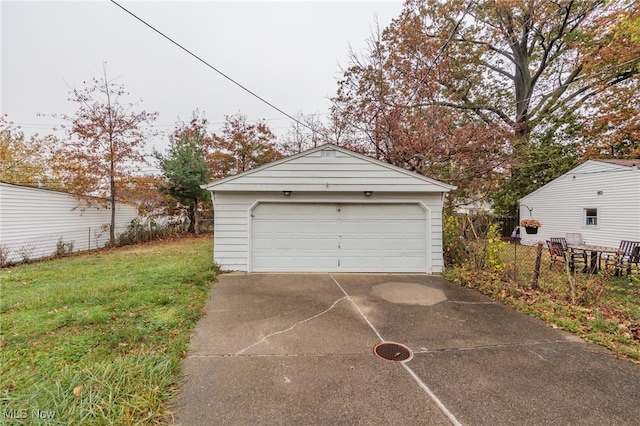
(212, 67)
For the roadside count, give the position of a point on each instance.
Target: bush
(63, 249)
(4, 255)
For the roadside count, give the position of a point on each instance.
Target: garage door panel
(285, 244)
(393, 244)
(305, 243)
(371, 227)
(283, 262)
(262, 244)
(262, 263)
(339, 238)
(323, 227)
(371, 244)
(326, 244)
(262, 227)
(391, 228)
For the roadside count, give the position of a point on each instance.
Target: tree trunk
(191, 212)
(196, 219)
(112, 188)
(112, 230)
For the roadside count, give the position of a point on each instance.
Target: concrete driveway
(298, 349)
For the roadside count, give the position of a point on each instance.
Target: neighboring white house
(328, 209)
(33, 221)
(474, 207)
(599, 199)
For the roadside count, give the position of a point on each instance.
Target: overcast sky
(288, 52)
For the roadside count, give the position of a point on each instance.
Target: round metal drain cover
(393, 351)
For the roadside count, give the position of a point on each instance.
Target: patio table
(595, 253)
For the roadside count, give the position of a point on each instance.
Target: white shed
(33, 220)
(599, 199)
(328, 210)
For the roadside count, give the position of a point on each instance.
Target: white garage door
(339, 238)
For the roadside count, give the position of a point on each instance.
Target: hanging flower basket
(530, 225)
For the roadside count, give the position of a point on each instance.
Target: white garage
(328, 210)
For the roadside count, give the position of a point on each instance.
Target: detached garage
(328, 210)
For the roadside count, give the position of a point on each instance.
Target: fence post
(536, 271)
(515, 259)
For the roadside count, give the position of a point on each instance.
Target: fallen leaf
(77, 391)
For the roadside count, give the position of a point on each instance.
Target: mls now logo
(18, 414)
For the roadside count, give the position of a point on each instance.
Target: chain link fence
(475, 247)
(485, 242)
(27, 249)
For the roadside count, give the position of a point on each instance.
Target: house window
(591, 217)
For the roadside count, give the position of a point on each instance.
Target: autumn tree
(241, 147)
(612, 116)
(185, 169)
(22, 161)
(531, 70)
(105, 150)
(371, 115)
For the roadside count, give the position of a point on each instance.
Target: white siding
(233, 209)
(33, 220)
(329, 169)
(613, 189)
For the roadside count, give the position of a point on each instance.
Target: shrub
(4, 255)
(63, 249)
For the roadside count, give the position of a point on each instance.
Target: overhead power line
(211, 66)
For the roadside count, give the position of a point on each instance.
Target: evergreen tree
(185, 169)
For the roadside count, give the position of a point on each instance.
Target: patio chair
(560, 240)
(627, 259)
(577, 259)
(634, 260)
(556, 253)
(574, 238)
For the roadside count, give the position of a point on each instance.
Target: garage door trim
(421, 204)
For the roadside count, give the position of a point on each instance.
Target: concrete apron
(298, 349)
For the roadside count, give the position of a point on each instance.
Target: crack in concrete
(305, 355)
(415, 377)
(290, 328)
(501, 345)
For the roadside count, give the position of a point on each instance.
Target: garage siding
(232, 228)
(330, 170)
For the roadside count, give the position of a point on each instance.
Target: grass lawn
(98, 338)
(602, 308)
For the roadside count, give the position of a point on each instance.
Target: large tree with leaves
(185, 168)
(241, 146)
(372, 114)
(531, 69)
(105, 150)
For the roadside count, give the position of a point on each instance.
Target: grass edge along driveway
(98, 338)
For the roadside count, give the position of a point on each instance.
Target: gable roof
(329, 168)
(626, 163)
